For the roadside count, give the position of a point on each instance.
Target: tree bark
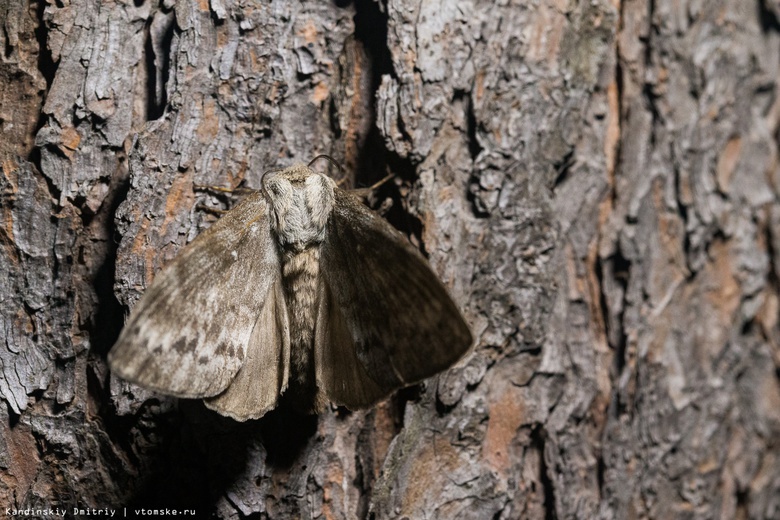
(596, 182)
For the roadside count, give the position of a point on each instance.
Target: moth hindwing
(299, 290)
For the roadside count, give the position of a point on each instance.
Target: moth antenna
(330, 159)
(262, 181)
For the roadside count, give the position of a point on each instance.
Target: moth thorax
(301, 202)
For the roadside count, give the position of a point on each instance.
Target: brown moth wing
(188, 334)
(403, 324)
(256, 388)
(340, 375)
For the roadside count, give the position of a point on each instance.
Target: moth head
(300, 201)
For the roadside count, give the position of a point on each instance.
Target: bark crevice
(46, 64)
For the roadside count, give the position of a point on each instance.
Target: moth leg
(213, 211)
(230, 192)
(220, 189)
(365, 192)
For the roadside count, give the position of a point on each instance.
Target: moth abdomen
(301, 282)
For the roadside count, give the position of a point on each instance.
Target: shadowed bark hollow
(595, 181)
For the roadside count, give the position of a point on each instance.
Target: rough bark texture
(597, 182)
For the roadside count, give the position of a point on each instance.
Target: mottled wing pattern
(402, 323)
(340, 374)
(188, 334)
(261, 380)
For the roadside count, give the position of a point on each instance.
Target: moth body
(300, 203)
(301, 291)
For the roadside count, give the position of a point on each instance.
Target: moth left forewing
(403, 323)
(187, 335)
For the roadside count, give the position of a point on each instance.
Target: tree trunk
(595, 181)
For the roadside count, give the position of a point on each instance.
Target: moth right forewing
(188, 334)
(261, 380)
(404, 324)
(340, 374)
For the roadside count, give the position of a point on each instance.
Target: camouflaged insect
(298, 290)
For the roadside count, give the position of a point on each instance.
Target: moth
(301, 291)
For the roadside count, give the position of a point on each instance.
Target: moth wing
(261, 380)
(187, 336)
(340, 374)
(403, 325)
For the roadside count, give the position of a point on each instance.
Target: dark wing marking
(256, 388)
(403, 324)
(188, 334)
